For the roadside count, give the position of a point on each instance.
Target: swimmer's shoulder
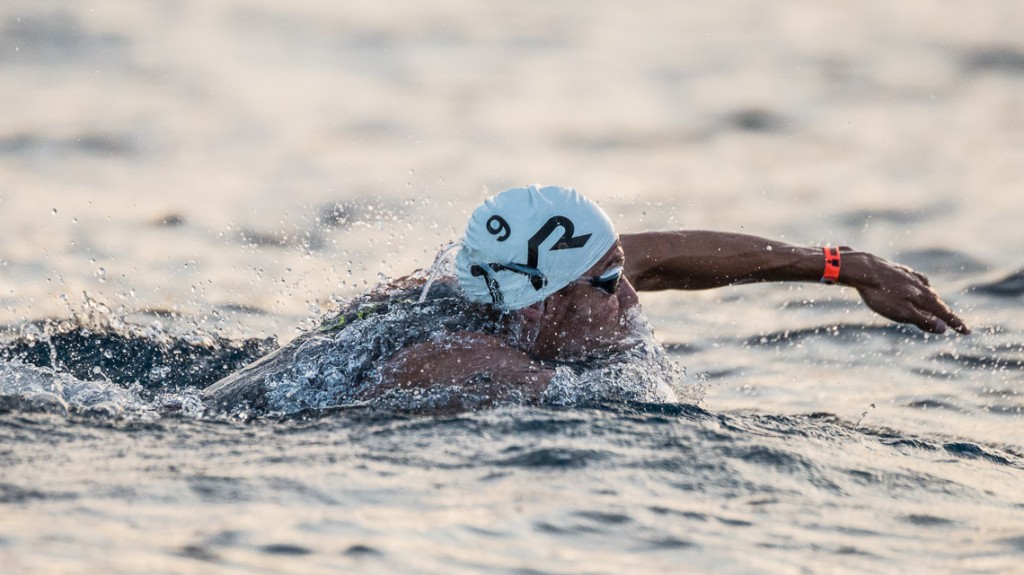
(477, 362)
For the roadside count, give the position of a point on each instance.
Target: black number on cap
(497, 226)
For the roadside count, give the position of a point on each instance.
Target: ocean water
(186, 185)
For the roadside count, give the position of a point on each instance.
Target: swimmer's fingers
(938, 315)
(903, 311)
(915, 303)
(932, 313)
(929, 321)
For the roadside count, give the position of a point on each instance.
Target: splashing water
(443, 264)
(96, 363)
(29, 388)
(641, 372)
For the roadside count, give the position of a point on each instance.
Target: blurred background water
(237, 167)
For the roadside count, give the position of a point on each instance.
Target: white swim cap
(525, 244)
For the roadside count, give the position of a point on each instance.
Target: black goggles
(608, 281)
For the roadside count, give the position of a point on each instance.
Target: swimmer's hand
(898, 292)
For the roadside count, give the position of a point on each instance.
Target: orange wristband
(832, 260)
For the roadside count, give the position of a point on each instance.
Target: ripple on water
(213, 489)
(670, 543)
(771, 457)
(568, 528)
(1008, 60)
(287, 549)
(935, 403)
(692, 515)
(953, 263)
(362, 551)
(605, 517)
(974, 451)
(926, 520)
(554, 458)
(11, 493)
(198, 552)
(1009, 286)
(993, 361)
(840, 334)
(1015, 543)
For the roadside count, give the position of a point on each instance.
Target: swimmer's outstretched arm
(694, 260)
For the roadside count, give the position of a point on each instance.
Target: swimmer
(551, 258)
(542, 280)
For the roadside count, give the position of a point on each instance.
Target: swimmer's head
(525, 244)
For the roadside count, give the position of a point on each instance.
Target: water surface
(207, 179)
